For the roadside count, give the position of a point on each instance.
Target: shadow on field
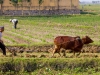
(18, 28)
(87, 12)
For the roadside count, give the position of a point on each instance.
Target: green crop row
(53, 66)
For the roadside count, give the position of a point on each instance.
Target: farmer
(14, 21)
(2, 46)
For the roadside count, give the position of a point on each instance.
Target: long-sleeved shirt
(14, 20)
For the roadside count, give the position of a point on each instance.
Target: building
(47, 7)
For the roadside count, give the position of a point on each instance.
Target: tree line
(16, 3)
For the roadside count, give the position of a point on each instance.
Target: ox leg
(64, 53)
(73, 54)
(53, 52)
(56, 50)
(59, 53)
(79, 53)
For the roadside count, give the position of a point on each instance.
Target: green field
(89, 7)
(47, 66)
(41, 30)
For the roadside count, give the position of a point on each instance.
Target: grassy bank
(53, 66)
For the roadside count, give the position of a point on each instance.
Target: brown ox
(73, 43)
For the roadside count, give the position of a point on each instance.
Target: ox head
(87, 40)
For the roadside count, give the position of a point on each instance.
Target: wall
(47, 7)
(33, 5)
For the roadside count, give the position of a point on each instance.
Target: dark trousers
(3, 47)
(15, 24)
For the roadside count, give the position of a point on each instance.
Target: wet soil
(85, 49)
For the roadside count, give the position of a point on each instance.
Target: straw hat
(10, 20)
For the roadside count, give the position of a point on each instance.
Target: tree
(21, 4)
(71, 4)
(58, 5)
(1, 2)
(29, 2)
(40, 2)
(17, 3)
(14, 3)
